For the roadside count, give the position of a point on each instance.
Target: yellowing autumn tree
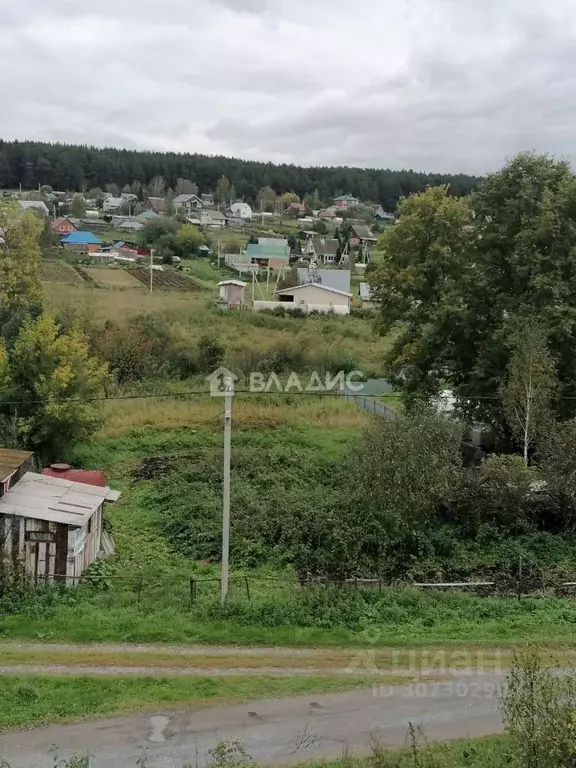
(55, 382)
(19, 258)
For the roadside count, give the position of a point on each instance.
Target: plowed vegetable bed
(168, 280)
(57, 272)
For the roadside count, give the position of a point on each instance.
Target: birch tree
(530, 385)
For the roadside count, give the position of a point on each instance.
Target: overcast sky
(437, 85)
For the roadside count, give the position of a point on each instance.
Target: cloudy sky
(438, 85)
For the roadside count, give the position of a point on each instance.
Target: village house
(207, 199)
(52, 525)
(146, 216)
(268, 255)
(315, 297)
(235, 221)
(37, 206)
(155, 204)
(324, 249)
(361, 235)
(185, 204)
(111, 204)
(328, 213)
(344, 202)
(241, 210)
(130, 225)
(367, 299)
(62, 226)
(212, 218)
(297, 209)
(85, 241)
(332, 278)
(319, 290)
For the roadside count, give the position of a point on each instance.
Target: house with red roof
(63, 226)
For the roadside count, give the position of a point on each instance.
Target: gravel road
(274, 732)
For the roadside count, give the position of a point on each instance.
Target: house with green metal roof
(264, 255)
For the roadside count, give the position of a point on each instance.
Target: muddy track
(274, 732)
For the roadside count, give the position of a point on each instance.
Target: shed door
(61, 550)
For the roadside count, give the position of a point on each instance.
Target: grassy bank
(282, 452)
(494, 752)
(29, 700)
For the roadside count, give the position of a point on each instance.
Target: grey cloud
(246, 6)
(434, 84)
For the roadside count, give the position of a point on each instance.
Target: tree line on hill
(70, 167)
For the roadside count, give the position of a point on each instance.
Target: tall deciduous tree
(529, 387)
(157, 187)
(419, 284)
(266, 198)
(78, 207)
(186, 187)
(19, 258)
(458, 278)
(54, 378)
(222, 194)
(189, 239)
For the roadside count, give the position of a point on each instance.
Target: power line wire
(270, 393)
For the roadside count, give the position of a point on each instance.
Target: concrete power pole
(228, 387)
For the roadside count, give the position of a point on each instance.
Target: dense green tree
(5, 171)
(222, 194)
(54, 379)
(321, 227)
(19, 258)
(154, 229)
(266, 198)
(458, 278)
(185, 187)
(78, 207)
(399, 477)
(190, 239)
(419, 285)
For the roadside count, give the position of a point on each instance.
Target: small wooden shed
(52, 526)
(231, 294)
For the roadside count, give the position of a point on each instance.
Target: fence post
(139, 585)
(192, 592)
(520, 577)
(247, 587)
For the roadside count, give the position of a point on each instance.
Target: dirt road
(274, 732)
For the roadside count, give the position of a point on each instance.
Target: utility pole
(151, 269)
(228, 387)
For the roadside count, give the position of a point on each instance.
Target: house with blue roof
(85, 240)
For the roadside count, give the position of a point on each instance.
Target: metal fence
(370, 404)
(145, 590)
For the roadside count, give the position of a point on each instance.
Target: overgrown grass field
(248, 338)
(167, 479)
